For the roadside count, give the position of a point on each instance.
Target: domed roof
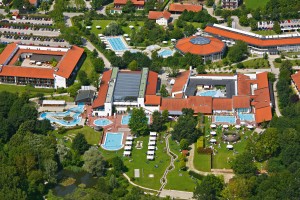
(200, 40)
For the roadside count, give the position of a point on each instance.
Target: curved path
(132, 183)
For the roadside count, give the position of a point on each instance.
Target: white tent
(125, 35)
(150, 157)
(173, 40)
(127, 153)
(250, 126)
(165, 42)
(128, 143)
(151, 147)
(213, 126)
(98, 27)
(128, 147)
(229, 146)
(153, 133)
(150, 152)
(127, 39)
(152, 143)
(129, 138)
(213, 133)
(153, 138)
(213, 140)
(88, 27)
(131, 27)
(237, 126)
(225, 126)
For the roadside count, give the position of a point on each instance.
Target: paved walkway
(176, 194)
(275, 71)
(226, 173)
(132, 183)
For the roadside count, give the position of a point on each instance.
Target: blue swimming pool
(225, 119)
(117, 43)
(246, 117)
(165, 53)
(208, 93)
(126, 118)
(113, 141)
(102, 122)
(58, 117)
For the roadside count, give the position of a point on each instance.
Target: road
(68, 17)
(91, 47)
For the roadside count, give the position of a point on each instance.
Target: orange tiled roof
(28, 72)
(263, 114)
(156, 15)
(151, 83)
(296, 79)
(152, 100)
(241, 101)
(180, 81)
(265, 42)
(7, 52)
(178, 95)
(184, 45)
(69, 61)
(32, 2)
(222, 104)
(177, 7)
(134, 2)
(243, 85)
(100, 100)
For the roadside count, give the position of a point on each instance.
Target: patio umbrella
(237, 126)
(152, 133)
(225, 126)
(129, 138)
(213, 126)
(250, 126)
(213, 133)
(213, 140)
(229, 146)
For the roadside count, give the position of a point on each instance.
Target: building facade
(230, 4)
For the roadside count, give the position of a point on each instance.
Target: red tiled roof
(180, 81)
(263, 114)
(266, 42)
(296, 79)
(261, 98)
(28, 72)
(157, 15)
(178, 95)
(100, 100)
(243, 85)
(7, 52)
(69, 61)
(177, 7)
(152, 100)
(185, 46)
(198, 103)
(151, 83)
(32, 2)
(241, 101)
(222, 104)
(134, 2)
(262, 80)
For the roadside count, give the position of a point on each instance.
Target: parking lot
(35, 42)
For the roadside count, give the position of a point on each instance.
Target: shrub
(278, 60)
(182, 165)
(196, 175)
(200, 142)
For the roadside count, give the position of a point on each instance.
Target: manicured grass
(104, 23)
(258, 63)
(92, 136)
(294, 63)
(253, 4)
(66, 98)
(178, 179)
(202, 162)
(266, 32)
(21, 89)
(87, 65)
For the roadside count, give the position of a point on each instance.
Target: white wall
(162, 21)
(59, 82)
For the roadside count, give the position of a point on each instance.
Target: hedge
(195, 175)
(200, 142)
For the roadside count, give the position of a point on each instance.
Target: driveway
(68, 17)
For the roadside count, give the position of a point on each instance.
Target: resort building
(258, 44)
(241, 98)
(210, 48)
(120, 89)
(230, 4)
(40, 66)
(161, 18)
(119, 4)
(285, 25)
(178, 8)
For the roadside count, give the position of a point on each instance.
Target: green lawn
(21, 89)
(178, 179)
(294, 63)
(92, 136)
(87, 65)
(104, 23)
(266, 32)
(202, 162)
(253, 4)
(258, 63)
(67, 98)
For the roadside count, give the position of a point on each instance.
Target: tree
(243, 165)
(96, 4)
(117, 164)
(82, 76)
(94, 162)
(238, 188)
(163, 91)
(165, 116)
(184, 144)
(44, 6)
(80, 144)
(138, 122)
(129, 7)
(133, 66)
(244, 21)
(210, 3)
(238, 51)
(72, 35)
(50, 170)
(157, 123)
(210, 188)
(276, 27)
(113, 29)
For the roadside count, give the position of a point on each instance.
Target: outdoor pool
(165, 53)
(113, 141)
(225, 119)
(117, 43)
(126, 118)
(246, 117)
(210, 93)
(60, 117)
(102, 122)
